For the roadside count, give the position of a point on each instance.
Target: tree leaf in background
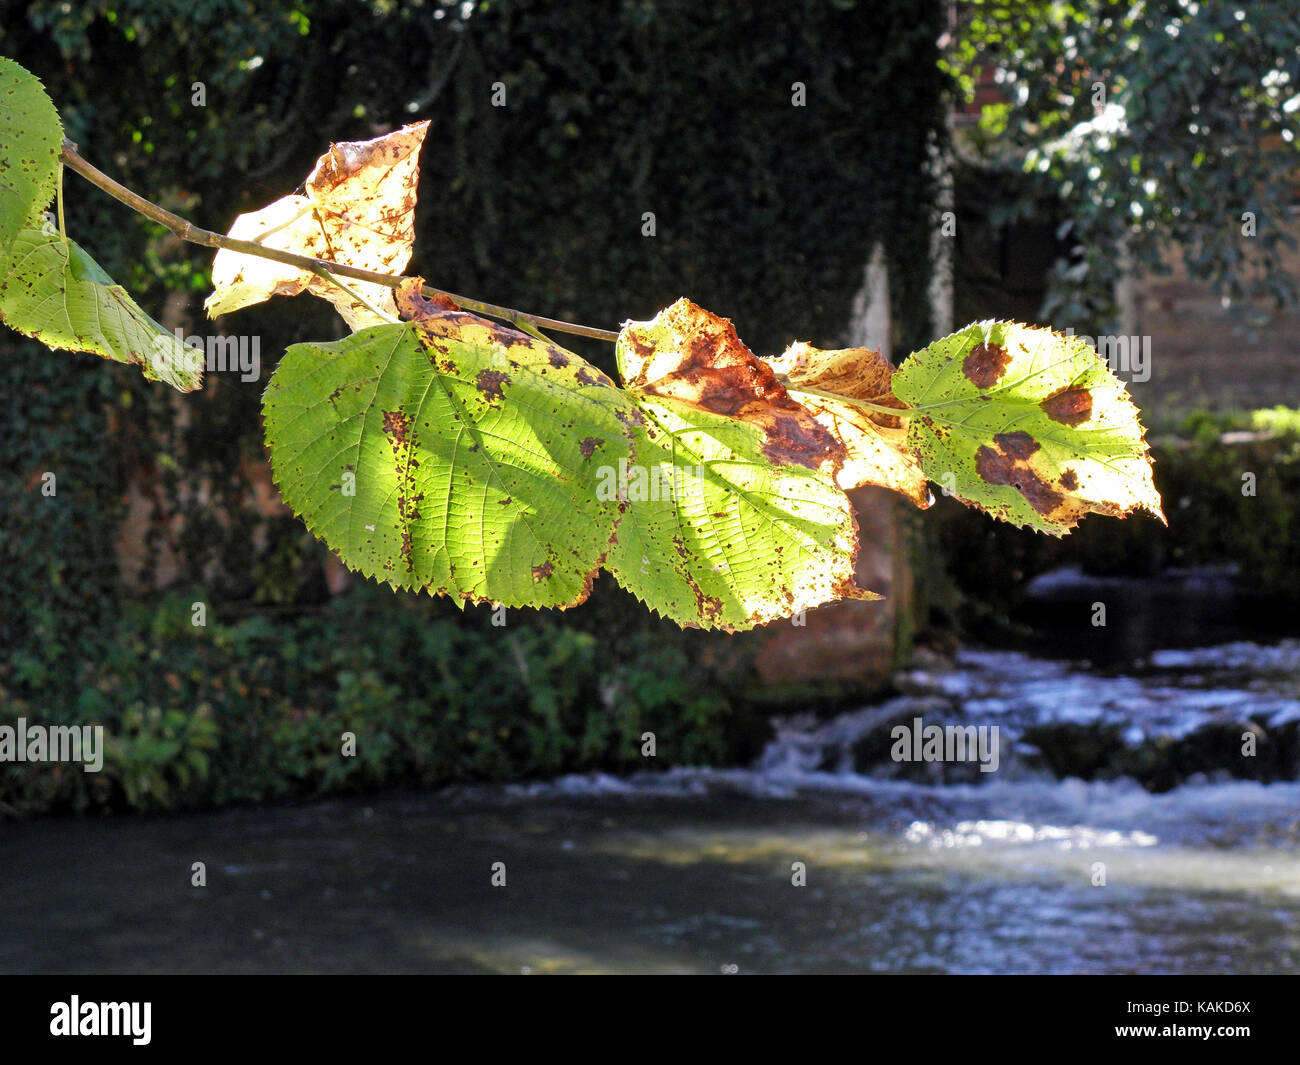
(359, 210)
(1027, 424)
(451, 454)
(31, 137)
(54, 291)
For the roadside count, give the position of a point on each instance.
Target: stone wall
(1204, 356)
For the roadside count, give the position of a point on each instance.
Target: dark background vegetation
(765, 213)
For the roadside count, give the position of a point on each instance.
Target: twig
(186, 231)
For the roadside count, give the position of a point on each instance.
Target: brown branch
(206, 238)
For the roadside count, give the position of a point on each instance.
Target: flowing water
(692, 870)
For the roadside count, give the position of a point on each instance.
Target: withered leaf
(359, 210)
(875, 444)
(690, 355)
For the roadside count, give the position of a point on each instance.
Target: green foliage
(1194, 131)
(729, 539)
(257, 710)
(1028, 424)
(542, 201)
(32, 136)
(55, 292)
(463, 466)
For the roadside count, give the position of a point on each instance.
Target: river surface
(693, 871)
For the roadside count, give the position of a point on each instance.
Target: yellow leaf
(359, 210)
(875, 443)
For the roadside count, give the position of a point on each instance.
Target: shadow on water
(1176, 608)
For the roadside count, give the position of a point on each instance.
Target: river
(921, 868)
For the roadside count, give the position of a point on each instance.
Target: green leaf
(716, 534)
(1027, 424)
(451, 455)
(54, 291)
(30, 140)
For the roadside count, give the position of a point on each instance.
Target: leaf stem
(356, 296)
(875, 408)
(191, 233)
(63, 232)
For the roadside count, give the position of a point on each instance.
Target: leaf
(875, 443)
(688, 354)
(359, 210)
(731, 517)
(1027, 424)
(54, 291)
(472, 451)
(715, 534)
(31, 137)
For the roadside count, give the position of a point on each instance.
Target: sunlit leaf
(731, 516)
(1028, 424)
(55, 292)
(452, 455)
(358, 209)
(30, 140)
(875, 443)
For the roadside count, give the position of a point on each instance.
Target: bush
(258, 709)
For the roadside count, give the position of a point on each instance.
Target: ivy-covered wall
(774, 143)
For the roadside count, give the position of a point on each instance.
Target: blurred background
(872, 173)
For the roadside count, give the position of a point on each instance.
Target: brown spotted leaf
(452, 455)
(687, 354)
(359, 210)
(875, 443)
(1028, 424)
(731, 515)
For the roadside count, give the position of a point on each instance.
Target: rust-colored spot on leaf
(985, 364)
(700, 360)
(543, 572)
(591, 376)
(397, 425)
(1019, 445)
(1005, 467)
(557, 359)
(588, 446)
(489, 382)
(1069, 406)
(1069, 480)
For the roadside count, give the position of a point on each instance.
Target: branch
(186, 231)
